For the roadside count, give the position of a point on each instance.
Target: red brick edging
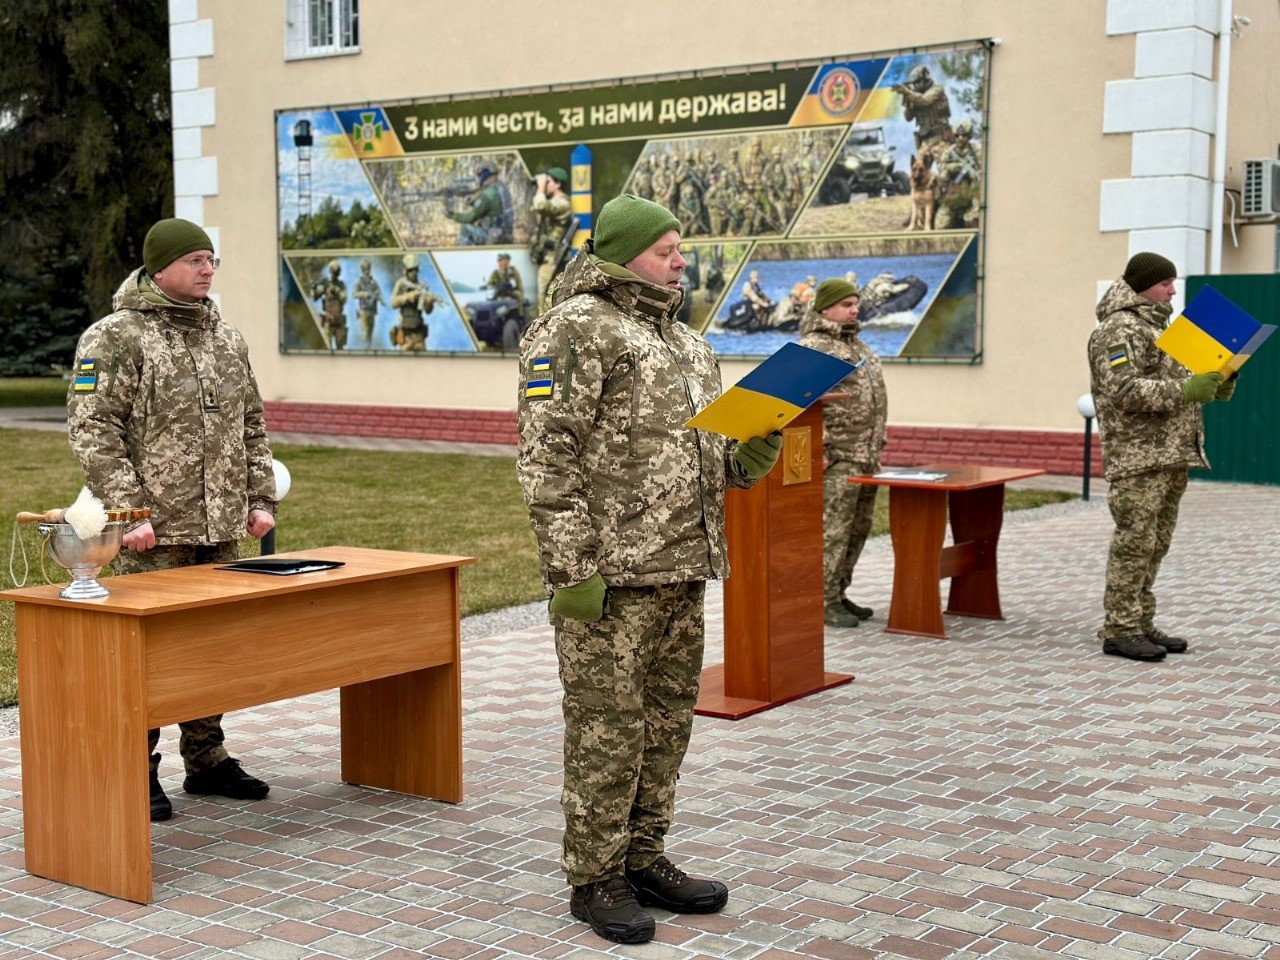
(1057, 451)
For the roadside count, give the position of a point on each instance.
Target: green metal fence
(1242, 437)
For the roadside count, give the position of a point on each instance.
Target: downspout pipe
(1226, 25)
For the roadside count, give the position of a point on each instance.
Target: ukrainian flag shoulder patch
(540, 380)
(1118, 355)
(86, 378)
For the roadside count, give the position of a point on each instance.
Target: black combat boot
(1172, 644)
(1135, 648)
(161, 808)
(611, 909)
(227, 779)
(862, 613)
(836, 615)
(663, 884)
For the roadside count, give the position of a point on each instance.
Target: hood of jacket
(139, 292)
(587, 273)
(814, 322)
(1121, 296)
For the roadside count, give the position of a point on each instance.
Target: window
(321, 28)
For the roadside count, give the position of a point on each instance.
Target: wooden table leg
(404, 732)
(85, 813)
(976, 518)
(917, 526)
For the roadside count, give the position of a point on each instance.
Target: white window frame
(321, 28)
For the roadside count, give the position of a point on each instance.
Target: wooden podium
(773, 626)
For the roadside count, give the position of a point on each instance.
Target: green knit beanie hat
(1147, 269)
(170, 239)
(628, 226)
(832, 292)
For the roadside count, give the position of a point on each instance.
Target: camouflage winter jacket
(1137, 389)
(164, 412)
(614, 481)
(853, 430)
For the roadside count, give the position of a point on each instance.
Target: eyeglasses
(199, 263)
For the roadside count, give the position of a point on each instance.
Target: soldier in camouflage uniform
(484, 221)
(957, 181)
(331, 292)
(553, 211)
(368, 295)
(853, 434)
(926, 103)
(166, 414)
(1149, 415)
(628, 508)
(414, 301)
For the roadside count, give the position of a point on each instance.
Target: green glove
(757, 456)
(1227, 387)
(1201, 387)
(582, 601)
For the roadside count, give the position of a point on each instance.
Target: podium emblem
(797, 456)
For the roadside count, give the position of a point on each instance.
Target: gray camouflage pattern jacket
(853, 430)
(614, 481)
(165, 413)
(1137, 389)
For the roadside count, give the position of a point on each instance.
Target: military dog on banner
(924, 196)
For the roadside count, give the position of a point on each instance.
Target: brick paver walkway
(1006, 793)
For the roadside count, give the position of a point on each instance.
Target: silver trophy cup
(83, 559)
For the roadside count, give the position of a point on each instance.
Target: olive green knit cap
(831, 292)
(628, 226)
(170, 239)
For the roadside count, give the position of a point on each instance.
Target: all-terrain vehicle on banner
(500, 323)
(866, 165)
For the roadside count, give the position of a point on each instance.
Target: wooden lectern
(773, 626)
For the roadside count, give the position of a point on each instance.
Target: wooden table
(94, 676)
(918, 510)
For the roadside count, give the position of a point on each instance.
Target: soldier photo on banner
(845, 153)
(912, 160)
(555, 225)
(331, 294)
(310, 291)
(368, 295)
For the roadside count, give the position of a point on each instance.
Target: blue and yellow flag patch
(86, 379)
(1118, 355)
(540, 381)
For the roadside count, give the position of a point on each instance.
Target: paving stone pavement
(1008, 792)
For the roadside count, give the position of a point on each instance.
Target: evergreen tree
(85, 164)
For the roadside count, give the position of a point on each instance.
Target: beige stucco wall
(1047, 157)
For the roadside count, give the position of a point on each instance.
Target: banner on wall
(440, 226)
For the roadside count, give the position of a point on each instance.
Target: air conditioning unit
(1261, 188)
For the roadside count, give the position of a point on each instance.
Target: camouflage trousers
(200, 743)
(335, 332)
(847, 512)
(415, 340)
(1145, 510)
(367, 320)
(630, 683)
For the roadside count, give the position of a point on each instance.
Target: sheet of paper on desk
(781, 388)
(909, 475)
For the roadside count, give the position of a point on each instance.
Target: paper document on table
(910, 475)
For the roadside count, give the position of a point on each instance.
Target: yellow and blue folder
(781, 388)
(1213, 335)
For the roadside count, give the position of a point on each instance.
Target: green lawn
(432, 503)
(32, 391)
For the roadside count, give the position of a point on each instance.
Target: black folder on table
(281, 566)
